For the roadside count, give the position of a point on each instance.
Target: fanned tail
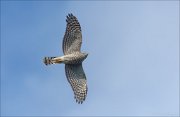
(48, 60)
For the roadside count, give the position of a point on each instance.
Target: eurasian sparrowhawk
(72, 58)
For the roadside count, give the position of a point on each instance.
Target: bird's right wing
(73, 37)
(77, 79)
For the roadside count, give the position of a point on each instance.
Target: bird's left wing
(73, 37)
(77, 79)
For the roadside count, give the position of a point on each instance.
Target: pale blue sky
(132, 68)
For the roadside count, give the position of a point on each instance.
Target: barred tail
(48, 60)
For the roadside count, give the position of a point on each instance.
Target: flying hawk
(72, 58)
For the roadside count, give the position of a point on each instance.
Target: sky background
(132, 68)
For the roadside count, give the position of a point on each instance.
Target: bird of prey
(72, 58)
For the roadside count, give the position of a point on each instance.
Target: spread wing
(73, 37)
(77, 79)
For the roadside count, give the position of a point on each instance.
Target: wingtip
(70, 14)
(79, 102)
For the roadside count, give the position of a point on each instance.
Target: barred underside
(75, 58)
(73, 37)
(77, 79)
